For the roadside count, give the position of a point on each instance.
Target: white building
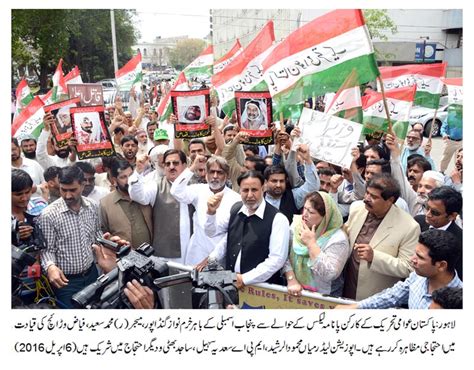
(155, 54)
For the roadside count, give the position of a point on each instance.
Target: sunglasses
(174, 163)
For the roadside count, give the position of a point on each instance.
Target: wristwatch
(290, 277)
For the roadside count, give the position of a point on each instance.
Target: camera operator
(140, 296)
(26, 240)
(23, 223)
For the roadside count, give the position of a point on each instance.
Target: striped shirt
(413, 291)
(69, 235)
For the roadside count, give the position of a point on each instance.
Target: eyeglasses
(174, 163)
(433, 212)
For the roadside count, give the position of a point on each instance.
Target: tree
(379, 23)
(185, 52)
(81, 37)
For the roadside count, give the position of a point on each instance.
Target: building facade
(155, 54)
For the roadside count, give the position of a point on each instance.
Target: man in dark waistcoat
(256, 246)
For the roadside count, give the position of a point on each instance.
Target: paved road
(436, 153)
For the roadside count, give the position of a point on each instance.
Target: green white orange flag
(130, 75)
(426, 77)
(347, 103)
(47, 98)
(318, 57)
(455, 101)
(73, 77)
(30, 120)
(23, 96)
(399, 102)
(455, 90)
(244, 73)
(164, 108)
(201, 67)
(226, 59)
(59, 84)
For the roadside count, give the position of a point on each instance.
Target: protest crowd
(357, 209)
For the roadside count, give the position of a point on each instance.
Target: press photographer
(27, 239)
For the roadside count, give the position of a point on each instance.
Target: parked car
(425, 116)
(108, 84)
(109, 97)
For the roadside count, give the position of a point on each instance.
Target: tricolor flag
(426, 77)
(30, 120)
(201, 67)
(455, 90)
(73, 77)
(347, 103)
(455, 101)
(244, 73)
(225, 60)
(399, 102)
(318, 57)
(47, 98)
(130, 75)
(164, 108)
(59, 84)
(23, 96)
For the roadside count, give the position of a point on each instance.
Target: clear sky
(169, 22)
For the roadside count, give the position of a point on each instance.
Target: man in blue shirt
(435, 257)
(452, 137)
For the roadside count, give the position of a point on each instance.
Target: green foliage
(378, 22)
(82, 37)
(185, 52)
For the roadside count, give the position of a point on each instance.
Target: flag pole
(282, 122)
(432, 123)
(382, 90)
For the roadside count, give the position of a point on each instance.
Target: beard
(30, 155)
(62, 153)
(413, 147)
(216, 184)
(123, 188)
(421, 199)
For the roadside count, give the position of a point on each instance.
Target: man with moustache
(256, 246)
(96, 193)
(70, 226)
(443, 206)
(63, 155)
(434, 262)
(129, 145)
(28, 165)
(414, 140)
(279, 192)
(430, 180)
(172, 220)
(28, 146)
(417, 165)
(217, 168)
(120, 215)
(383, 238)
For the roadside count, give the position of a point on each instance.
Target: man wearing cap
(28, 146)
(160, 137)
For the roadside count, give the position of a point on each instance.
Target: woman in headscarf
(319, 248)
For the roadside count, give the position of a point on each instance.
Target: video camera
(23, 253)
(108, 290)
(213, 288)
